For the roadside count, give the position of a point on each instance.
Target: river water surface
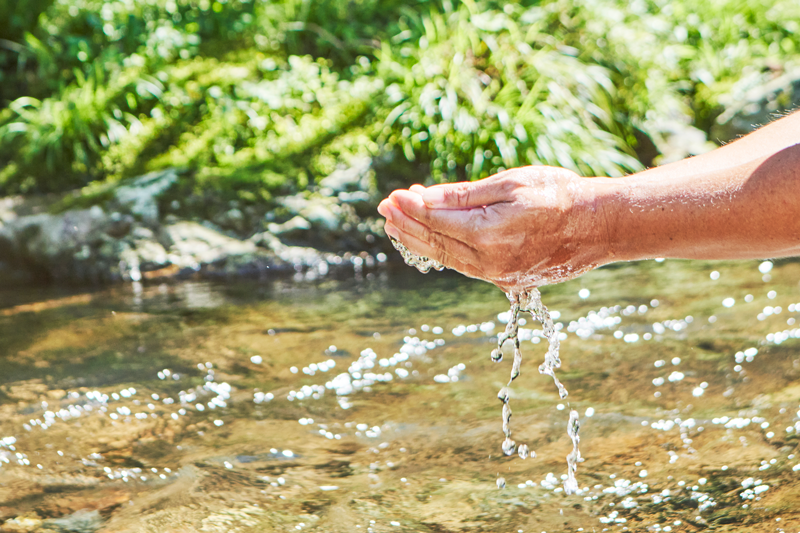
(370, 404)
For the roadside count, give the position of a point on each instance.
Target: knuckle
(436, 240)
(515, 181)
(401, 223)
(428, 236)
(457, 195)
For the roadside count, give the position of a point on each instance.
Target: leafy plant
(257, 98)
(57, 142)
(482, 90)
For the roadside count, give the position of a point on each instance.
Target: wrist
(600, 206)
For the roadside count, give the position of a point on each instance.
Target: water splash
(529, 301)
(573, 427)
(422, 263)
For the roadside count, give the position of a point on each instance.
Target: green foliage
(57, 142)
(480, 91)
(678, 60)
(337, 29)
(257, 98)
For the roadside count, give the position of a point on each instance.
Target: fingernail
(388, 212)
(383, 210)
(433, 197)
(391, 231)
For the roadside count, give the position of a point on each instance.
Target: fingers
(384, 207)
(466, 194)
(423, 248)
(434, 240)
(457, 223)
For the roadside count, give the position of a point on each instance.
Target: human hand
(524, 227)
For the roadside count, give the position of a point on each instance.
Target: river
(369, 403)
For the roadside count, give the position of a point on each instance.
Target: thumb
(465, 194)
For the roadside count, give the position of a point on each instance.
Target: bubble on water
(765, 267)
(714, 275)
(256, 359)
(584, 293)
(501, 483)
(728, 302)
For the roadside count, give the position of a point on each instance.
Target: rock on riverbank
(127, 237)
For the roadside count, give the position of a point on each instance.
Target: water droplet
(508, 446)
(503, 395)
(523, 451)
(501, 483)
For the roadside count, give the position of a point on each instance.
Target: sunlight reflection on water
(340, 404)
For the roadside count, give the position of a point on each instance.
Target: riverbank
(136, 230)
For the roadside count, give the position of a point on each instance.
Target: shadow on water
(369, 404)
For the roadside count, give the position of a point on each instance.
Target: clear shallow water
(101, 427)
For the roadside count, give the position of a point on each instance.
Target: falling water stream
(527, 300)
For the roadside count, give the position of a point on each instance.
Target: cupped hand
(524, 227)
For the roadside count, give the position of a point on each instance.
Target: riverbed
(368, 403)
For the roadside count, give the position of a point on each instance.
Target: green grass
(256, 99)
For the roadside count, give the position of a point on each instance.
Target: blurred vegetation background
(254, 99)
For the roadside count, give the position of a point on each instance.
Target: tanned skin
(538, 225)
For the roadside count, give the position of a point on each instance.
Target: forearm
(745, 211)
